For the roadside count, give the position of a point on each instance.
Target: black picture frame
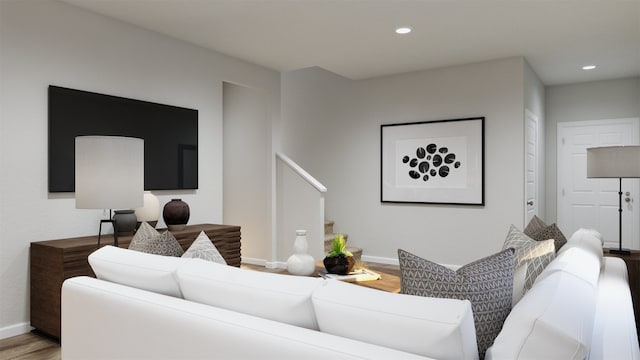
(433, 162)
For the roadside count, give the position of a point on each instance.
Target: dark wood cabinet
(53, 261)
(633, 268)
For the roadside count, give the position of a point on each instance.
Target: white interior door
(531, 166)
(593, 203)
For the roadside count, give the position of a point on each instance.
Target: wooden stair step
(328, 226)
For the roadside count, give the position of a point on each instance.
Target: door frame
(531, 115)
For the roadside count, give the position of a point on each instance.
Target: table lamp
(614, 162)
(109, 174)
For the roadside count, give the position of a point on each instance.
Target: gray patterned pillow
(145, 231)
(487, 283)
(536, 254)
(534, 225)
(150, 241)
(550, 232)
(203, 248)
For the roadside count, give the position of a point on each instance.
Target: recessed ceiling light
(588, 67)
(403, 30)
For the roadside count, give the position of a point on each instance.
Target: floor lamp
(615, 162)
(109, 174)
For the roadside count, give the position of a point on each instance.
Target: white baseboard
(394, 261)
(253, 261)
(265, 263)
(380, 260)
(276, 265)
(15, 330)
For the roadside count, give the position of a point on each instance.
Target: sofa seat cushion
(487, 283)
(283, 298)
(432, 327)
(128, 324)
(554, 320)
(136, 269)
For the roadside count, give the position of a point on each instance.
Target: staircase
(328, 238)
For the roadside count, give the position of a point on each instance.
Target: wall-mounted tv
(170, 136)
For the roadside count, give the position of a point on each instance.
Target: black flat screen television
(170, 136)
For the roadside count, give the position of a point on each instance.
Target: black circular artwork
(431, 161)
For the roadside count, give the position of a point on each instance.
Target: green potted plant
(339, 260)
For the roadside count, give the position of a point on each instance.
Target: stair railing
(299, 203)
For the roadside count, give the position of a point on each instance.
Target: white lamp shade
(151, 209)
(109, 172)
(613, 162)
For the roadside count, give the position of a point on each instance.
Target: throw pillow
(487, 283)
(536, 254)
(203, 248)
(148, 240)
(534, 225)
(145, 231)
(550, 232)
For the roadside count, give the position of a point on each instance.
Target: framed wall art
(433, 162)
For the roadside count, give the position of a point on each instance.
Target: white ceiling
(356, 39)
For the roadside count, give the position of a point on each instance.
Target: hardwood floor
(33, 346)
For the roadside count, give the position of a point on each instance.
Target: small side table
(633, 268)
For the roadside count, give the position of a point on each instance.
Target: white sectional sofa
(153, 307)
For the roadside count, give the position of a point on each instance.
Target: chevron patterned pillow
(536, 254)
(534, 225)
(487, 283)
(550, 232)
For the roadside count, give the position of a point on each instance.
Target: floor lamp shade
(613, 162)
(109, 172)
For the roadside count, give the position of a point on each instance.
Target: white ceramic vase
(301, 263)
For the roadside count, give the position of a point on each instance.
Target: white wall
(333, 131)
(47, 42)
(247, 168)
(608, 99)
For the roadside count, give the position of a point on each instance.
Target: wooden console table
(633, 268)
(54, 261)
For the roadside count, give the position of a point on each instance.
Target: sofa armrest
(614, 330)
(103, 320)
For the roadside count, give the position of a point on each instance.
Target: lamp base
(620, 251)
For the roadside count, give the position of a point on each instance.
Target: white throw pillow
(432, 327)
(203, 248)
(137, 269)
(283, 298)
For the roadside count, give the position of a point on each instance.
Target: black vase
(176, 214)
(340, 264)
(125, 221)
